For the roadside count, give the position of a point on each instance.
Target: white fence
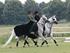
(61, 31)
(66, 39)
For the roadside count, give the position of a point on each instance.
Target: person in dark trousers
(32, 20)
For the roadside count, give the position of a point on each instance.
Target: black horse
(24, 31)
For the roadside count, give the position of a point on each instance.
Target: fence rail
(61, 27)
(61, 32)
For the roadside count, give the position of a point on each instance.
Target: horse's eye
(53, 19)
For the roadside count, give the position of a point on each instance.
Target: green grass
(62, 48)
(5, 32)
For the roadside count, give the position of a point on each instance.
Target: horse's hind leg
(17, 38)
(35, 42)
(25, 41)
(17, 43)
(45, 41)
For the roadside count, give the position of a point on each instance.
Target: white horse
(48, 28)
(41, 25)
(23, 30)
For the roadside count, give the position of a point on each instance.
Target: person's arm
(32, 19)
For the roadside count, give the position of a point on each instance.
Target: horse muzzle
(56, 22)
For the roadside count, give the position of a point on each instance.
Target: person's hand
(35, 20)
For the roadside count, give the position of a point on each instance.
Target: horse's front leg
(44, 41)
(54, 39)
(25, 41)
(55, 42)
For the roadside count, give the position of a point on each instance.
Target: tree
(42, 6)
(31, 5)
(13, 11)
(55, 7)
(1, 11)
(67, 10)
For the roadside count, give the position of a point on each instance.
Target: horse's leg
(35, 42)
(17, 43)
(40, 33)
(42, 43)
(25, 41)
(54, 40)
(17, 38)
(45, 40)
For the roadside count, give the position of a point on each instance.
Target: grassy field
(51, 48)
(5, 32)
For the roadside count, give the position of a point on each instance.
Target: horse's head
(53, 19)
(45, 18)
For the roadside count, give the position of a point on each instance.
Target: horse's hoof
(23, 46)
(56, 44)
(10, 47)
(41, 45)
(37, 46)
(16, 46)
(47, 45)
(28, 45)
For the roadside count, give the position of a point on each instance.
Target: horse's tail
(10, 38)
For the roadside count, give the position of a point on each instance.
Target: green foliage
(30, 5)
(1, 11)
(14, 12)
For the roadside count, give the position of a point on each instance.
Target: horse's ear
(54, 15)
